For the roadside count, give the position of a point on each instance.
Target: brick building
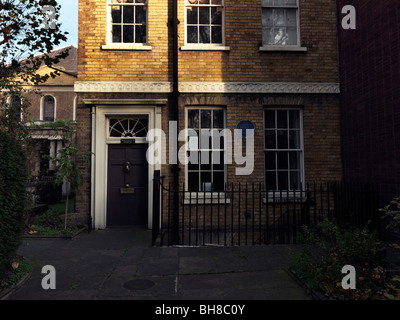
(55, 100)
(271, 65)
(370, 80)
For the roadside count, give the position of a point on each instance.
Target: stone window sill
(201, 47)
(126, 47)
(283, 48)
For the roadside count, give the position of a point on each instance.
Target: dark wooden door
(127, 186)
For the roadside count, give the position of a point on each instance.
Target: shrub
(328, 247)
(392, 211)
(13, 179)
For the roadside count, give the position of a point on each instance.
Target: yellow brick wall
(243, 62)
(96, 64)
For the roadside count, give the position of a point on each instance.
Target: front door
(127, 186)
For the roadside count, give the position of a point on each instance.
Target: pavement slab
(113, 264)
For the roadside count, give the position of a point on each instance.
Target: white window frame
(272, 47)
(42, 107)
(205, 46)
(120, 45)
(205, 197)
(274, 195)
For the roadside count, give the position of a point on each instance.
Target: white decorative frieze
(208, 87)
(122, 86)
(259, 87)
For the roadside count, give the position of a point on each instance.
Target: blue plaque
(244, 125)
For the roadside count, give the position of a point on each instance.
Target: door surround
(101, 112)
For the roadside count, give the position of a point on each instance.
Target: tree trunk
(66, 207)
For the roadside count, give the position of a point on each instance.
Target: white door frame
(100, 142)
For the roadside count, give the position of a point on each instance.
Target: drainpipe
(174, 100)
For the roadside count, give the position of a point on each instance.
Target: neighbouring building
(55, 101)
(370, 96)
(271, 65)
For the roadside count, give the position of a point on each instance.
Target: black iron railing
(245, 214)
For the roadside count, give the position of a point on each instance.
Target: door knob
(127, 166)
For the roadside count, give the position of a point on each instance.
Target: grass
(50, 223)
(12, 275)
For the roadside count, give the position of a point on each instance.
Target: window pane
(140, 14)
(192, 15)
(193, 157)
(295, 180)
(140, 34)
(291, 17)
(216, 34)
(116, 14)
(267, 2)
(205, 177)
(205, 160)
(282, 139)
(270, 161)
(116, 33)
(128, 14)
(16, 107)
(282, 158)
(270, 180)
(294, 119)
(206, 119)
(278, 17)
(218, 138)
(193, 119)
(294, 139)
(218, 119)
(192, 35)
(216, 1)
(292, 36)
(193, 181)
(282, 119)
(268, 36)
(218, 182)
(128, 34)
(294, 160)
(204, 34)
(204, 15)
(267, 17)
(48, 112)
(291, 2)
(205, 139)
(270, 119)
(204, 1)
(283, 180)
(218, 160)
(216, 15)
(270, 139)
(280, 36)
(279, 2)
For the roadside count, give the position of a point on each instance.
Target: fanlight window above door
(129, 127)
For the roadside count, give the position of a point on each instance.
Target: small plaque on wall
(244, 125)
(128, 141)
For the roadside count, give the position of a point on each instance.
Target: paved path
(120, 264)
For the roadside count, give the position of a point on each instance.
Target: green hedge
(13, 180)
